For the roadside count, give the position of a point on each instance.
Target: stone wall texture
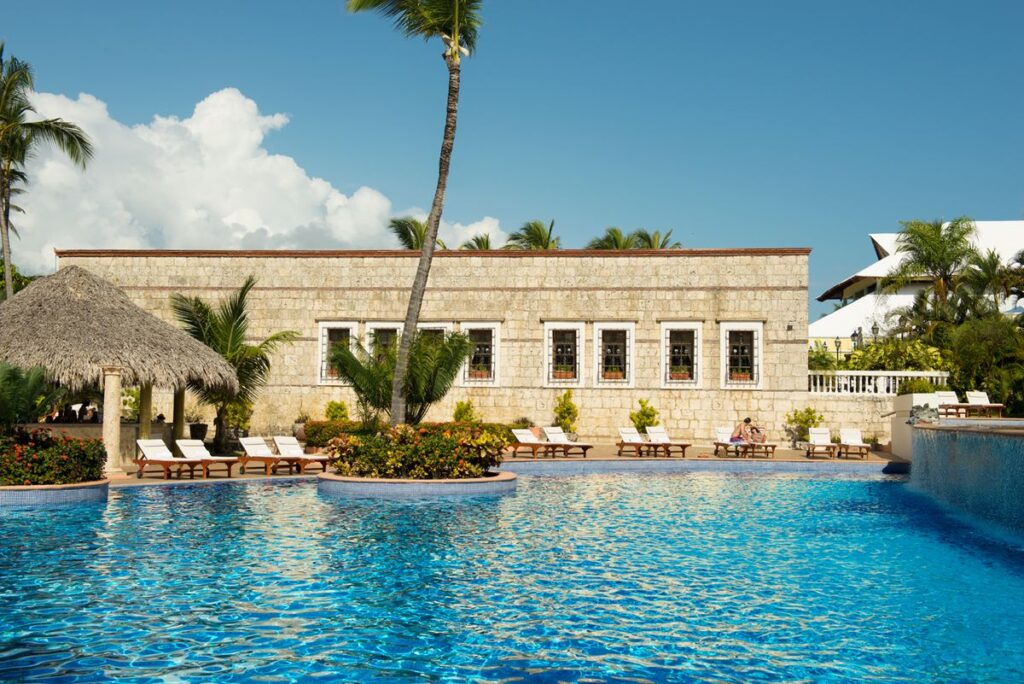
(520, 291)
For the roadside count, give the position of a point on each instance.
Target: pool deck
(600, 452)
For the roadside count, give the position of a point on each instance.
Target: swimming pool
(689, 576)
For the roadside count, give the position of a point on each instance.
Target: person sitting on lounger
(748, 433)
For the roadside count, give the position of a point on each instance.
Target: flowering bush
(452, 452)
(41, 458)
(319, 433)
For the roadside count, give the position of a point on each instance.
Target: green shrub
(566, 412)
(522, 422)
(335, 411)
(465, 413)
(919, 386)
(320, 432)
(239, 414)
(41, 458)
(130, 400)
(500, 429)
(799, 421)
(447, 451)
(24, 394)
(646, 416)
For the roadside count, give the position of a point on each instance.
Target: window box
(563, 374)
(737, 376)
(613, 374)
(679, 374)
(479, 374)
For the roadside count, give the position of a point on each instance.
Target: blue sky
(734, 124)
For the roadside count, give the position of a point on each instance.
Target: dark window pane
(336, 337)
(564, 354)
(741, 355)
(481, 363)
(613, 354)
(681, 352)
(382, 339)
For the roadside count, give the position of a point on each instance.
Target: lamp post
(838, 343)
(874, 331)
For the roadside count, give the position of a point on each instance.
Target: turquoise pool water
(691, 576)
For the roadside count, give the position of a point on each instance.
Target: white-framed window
(563, 354)
(742, 344)
(681, 353)
(484, 362)
(382, 334)
(614, 354)
(434, 328)
(333, 334)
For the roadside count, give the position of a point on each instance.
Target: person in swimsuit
(748, 433)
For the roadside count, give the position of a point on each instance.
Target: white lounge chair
(525, 439)
(557, 436)
(820, 440)
(850, 441)
(257, 451)
(630, 438)
(659, 438)
(289, 448)
(949, 404)
(978, 403)
(155, 452)
(194, 448)
(723, 440)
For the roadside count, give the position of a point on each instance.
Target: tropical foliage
(225, 329)
(465, 412)
(566, 412)
(613, 238)
(799, 422)
(21, 133)
(456, 23)
(18, 281)
(644, 417)
(893, 353)
(655, 240)
(41, 458)
(481, 241)
(24, 396)
(336, 410)
(411, 232)
(435, 363)
(534, 235)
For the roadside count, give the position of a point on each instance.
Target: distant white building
(864, 308)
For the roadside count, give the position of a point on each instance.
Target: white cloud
(204, 181)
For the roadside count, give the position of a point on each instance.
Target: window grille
(382, 339)
(615, 355)
(330, 339)
(743, 355)
(563, 356)
(681, 351)
(481, 363)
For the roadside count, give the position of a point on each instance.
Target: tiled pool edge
(54, 495)
(663, 465)
(336, 485)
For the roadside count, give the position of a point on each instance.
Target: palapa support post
(178, 418)
(145, 411)
(112, 419)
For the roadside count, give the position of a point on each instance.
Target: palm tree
(24, 395)
(534, 235)
(986, 274)
(935, 251)
(646, 240)
(479, 241)
(411, 232)
(456, 23)
(19, 136)
(225, 330)
(613, 238)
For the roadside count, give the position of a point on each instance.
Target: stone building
(707, 336)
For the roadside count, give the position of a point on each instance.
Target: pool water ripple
(701, 576)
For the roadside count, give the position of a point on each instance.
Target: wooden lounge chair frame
(818, 440)
(195, 448)
(659, 440)
(978, 404)
(630, 438)
(752, 449)
(289, 449)
(166, 461)
(723, 440)
(558, 438)
(533, 443)
(850, 440)
(256, 451)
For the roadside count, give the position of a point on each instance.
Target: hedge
(41, 458)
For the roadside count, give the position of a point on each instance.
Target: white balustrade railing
(867, 382)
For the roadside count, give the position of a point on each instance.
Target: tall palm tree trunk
(5, 235)
(419, 284)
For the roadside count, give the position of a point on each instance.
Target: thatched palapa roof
(74, 324)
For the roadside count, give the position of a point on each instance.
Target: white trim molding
(371, 326)
(629, 371)
(495, 379)
(757, 355)
(321, 357)
(547, 367)
(697, 379)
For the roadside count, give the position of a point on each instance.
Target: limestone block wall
(520, 292)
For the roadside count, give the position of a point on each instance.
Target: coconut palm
(19, 137)
(613, 238)
(647, 240)
(24, 395)
(534, 235)
(411, 232)
(480, 241)
(434, 364)
(935, 251)
(456, 23)
(225, 329)
(986, 275)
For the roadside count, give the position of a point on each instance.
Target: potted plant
(563, 373)
(197, 429)
(679, 373)
(740, 376)
(299, 427)
(613, 373)
(480, 371)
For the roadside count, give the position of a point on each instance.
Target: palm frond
(534, 235)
